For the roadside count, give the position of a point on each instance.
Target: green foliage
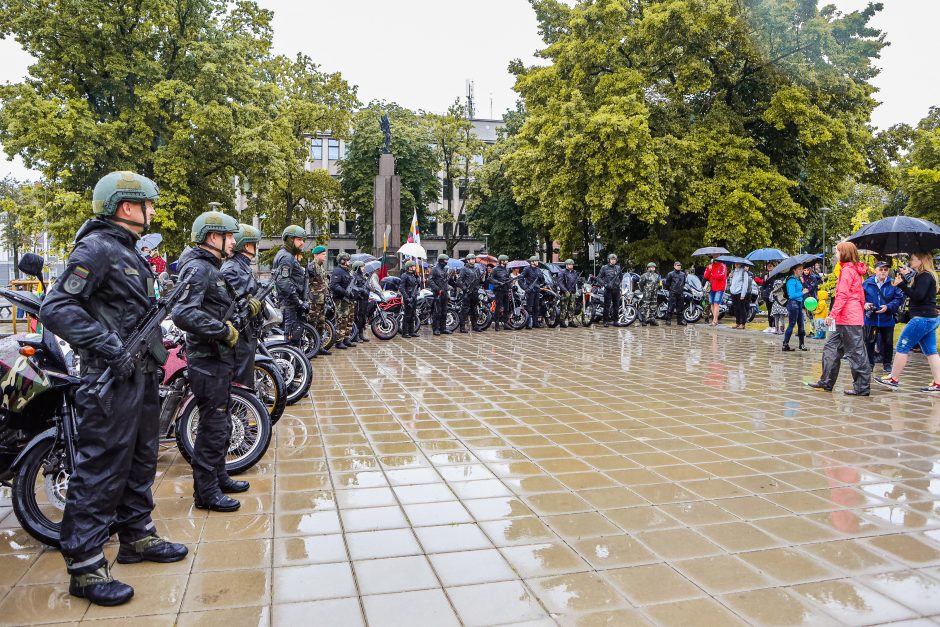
(729, 139)
(415, 163)
(922, 178)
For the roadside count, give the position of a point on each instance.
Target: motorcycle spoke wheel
(39, 492)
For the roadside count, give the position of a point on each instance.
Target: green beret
(319, 249)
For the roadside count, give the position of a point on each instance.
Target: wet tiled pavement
(584, 477)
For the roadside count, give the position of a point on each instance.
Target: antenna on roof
(471, 105)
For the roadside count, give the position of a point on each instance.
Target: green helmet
(293, 231)
(212, 222)
(246, 234)
(569, 262)
(443, 258)
(533, 258)
(611, 256)
(651, 264)
(503, 258)
(119, 186)
(409, 265)
(356, 265)
(470, 258)
(343, 256)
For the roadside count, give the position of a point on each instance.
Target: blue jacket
(795, 289)
(887, 295)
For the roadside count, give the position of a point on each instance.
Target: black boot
(437, 332)
(153, 548)
(340, 345)
(496, 326)
(802, 343)
(787, 349)
(231, 486)
(220, 503)
(323, 351)
(100, 588)
(564, 325)
(463, 329)
(363, 338)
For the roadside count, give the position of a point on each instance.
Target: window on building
(333, 149)
(462, 253)
(351, 251)
(350, 227)
(316, 149)
(448, 229)
(334, 228)
(462, 229)
(431, 226)
(432, 256)
(331, 257)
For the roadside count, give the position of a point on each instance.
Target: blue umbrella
(767, 254)
(363, 257)
(733, 259)
(372, 266)
(454, 264)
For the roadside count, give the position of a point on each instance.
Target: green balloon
(811, 303)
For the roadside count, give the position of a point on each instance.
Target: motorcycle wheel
(385, 329)
(628, 314)
(751, 313)
(39, 490)
(552, 316)
(295, 368)
(310, 341)
(484, 319)
(518, 320)
(271, 389)
(693, 313)
(329, 336)
(251, 431)
(452, 321)
(587, 315)
(662, 311)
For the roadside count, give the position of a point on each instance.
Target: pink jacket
(849, 309)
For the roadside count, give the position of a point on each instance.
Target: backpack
(779, 294)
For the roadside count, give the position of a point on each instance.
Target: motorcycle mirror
(31, 264)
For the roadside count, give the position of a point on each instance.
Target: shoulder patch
(285, 271)
(76, 280)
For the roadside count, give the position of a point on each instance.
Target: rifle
(261, 295)
(138, 344)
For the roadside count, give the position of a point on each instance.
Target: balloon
(811, 303)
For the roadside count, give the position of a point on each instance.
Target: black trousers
(293, 325)
(612, 304)
(503, 306)
(739, 306)
(440, 312)
(532, 307)
(115, 463)
(770, 318)
(362, 310)
(245, 359)
(469, 309)
(884, 343)
(675, 308)
(211, 382)
(409, 317)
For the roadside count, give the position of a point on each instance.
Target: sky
(421, 53)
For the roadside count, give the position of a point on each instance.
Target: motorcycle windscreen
(626, 283)
(693, 282)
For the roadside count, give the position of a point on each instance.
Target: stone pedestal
(387, 207)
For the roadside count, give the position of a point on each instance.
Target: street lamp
(824, 211)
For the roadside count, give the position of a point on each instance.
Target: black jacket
(409, 287)
(340, 284)
(105, 291)
(532, 278)
(922, 295)
(201, 312)
(610, 276)
(568, 281)
(290, 278)
(469, 280)
(240, 278)
(674, 282)
(439, 278)
(361, 286)
(500, 278)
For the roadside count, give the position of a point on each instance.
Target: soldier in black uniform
(361, 286)
(105, 291)
(238, 274)
(502, 281)
(675, 284)
(469, 283)
(409, 300)
(532, 282)
(210, 356)
(439, 283)
(609, 277)
(341, 288)
(291, 283)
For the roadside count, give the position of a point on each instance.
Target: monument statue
(386, 127)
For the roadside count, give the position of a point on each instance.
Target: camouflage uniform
(319, 284)
(341, 286)
(567, 288)
(649, 288)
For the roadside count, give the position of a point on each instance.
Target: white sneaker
(769, 330)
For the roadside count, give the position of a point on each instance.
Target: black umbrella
(898, 234)
(733, 259)
(789, 263)
(711, 250)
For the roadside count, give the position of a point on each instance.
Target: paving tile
(395, 574)
(495, 603)
(385, 543)
(410, 609)
(313, 582)
(471, 567)
(450, 538)
(655, 583)
(329, 612)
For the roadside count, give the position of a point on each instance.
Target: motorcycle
(385, 309)
(592, 300)
(293, 363)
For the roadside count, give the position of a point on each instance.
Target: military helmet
(470, 258)
(533, 258)
(343, 256)
(117, 187)
(651, 264)
(293, 231)
(503, 258)
(569, 262)
(409, 265)
(611, 256)
(357, 264)
(212, 222)
(246, 234)
(443, 258)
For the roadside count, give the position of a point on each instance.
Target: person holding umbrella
(882, 301)
(717, 275)
(918, 281)
(740, 294)
(848, 315)
(766, 288)
(796, 293)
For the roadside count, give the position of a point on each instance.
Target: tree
(922, 178)
(730, 138)
(458, 150)
(21, 222)
(415, 163)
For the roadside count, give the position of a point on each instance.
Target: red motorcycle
(179, 414)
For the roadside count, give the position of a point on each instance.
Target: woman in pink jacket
(848, 339)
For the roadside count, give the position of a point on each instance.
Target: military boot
(100, 588)
(340, 345)
(152, 548)
(233, 486)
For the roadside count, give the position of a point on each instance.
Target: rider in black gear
(501, 280)
(291, 280)
(439, 283)
(361, 286)
(674, 283)
(469, 283)
(341, 287)
(532, 281)
(409, 300)
(609, 277)
(236, 270)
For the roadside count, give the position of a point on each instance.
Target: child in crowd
(778, 311)
(820, 315)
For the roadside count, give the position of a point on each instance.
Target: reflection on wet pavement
(654, 476)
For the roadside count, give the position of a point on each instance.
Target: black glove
(122, 366)
(304, 308)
